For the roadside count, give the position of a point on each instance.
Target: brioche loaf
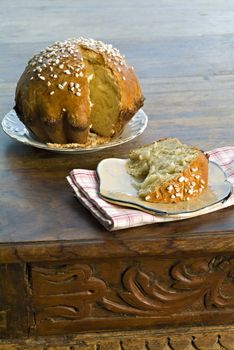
(74, 87)
(168, 171)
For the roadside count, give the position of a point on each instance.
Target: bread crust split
(185, 185)
(54, 97)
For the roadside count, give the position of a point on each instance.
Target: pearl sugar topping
(60, 55)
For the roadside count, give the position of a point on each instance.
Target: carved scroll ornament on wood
(204, 280)
(65, 292)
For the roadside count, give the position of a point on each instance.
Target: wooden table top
(183, 55)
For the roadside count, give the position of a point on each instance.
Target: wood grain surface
(213, 338)
(163, 286)
(183, 56)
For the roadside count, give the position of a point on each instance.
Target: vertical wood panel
(13, 301)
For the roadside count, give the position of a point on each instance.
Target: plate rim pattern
(15, 129)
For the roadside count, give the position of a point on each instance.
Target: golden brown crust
(188, 184)
(53, 97)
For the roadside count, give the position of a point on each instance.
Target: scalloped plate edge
(21, 134)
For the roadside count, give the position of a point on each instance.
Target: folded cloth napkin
(115, 217)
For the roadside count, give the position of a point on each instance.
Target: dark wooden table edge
(116, 247)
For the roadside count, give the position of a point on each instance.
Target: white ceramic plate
(14, 128)
(117, 186)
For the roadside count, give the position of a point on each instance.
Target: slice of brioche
(169, 171)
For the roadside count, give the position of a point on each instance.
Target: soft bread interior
(104, 94)
(157, 164)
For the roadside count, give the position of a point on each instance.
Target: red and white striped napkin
(115, 217)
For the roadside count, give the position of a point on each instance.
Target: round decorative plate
(14, 128)
(118, 187)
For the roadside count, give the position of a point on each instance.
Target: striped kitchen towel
(114, 217)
